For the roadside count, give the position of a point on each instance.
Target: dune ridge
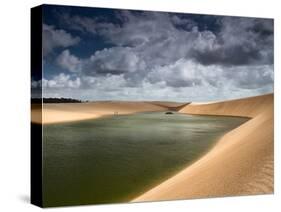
(173, 106)
(241, 163)
(246, 107)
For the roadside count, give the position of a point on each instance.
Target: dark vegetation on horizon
(55, 100)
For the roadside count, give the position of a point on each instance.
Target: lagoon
(115, 159)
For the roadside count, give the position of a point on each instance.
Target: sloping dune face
(240, 164)
(65, 112)
(249, 107)
(174, 106)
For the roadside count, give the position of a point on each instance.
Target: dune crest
(241, 163)
(247, 107)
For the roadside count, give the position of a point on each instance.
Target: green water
(115, 159)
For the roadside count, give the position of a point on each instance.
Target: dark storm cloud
(236, 55)
(240, 42)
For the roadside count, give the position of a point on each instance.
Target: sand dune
(248, 107)
(65, 112)
(174, 106)
(167, 104)
(241, 163)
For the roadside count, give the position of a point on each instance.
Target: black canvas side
(36, 102)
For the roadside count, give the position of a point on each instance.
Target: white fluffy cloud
(182, 73)
(69, 62)
(61, 81)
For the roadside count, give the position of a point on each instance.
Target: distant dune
(65, 112)
(168, 104)
(174, 106)
(241, 163)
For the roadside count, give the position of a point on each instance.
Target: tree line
(55, 100)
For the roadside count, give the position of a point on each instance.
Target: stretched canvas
(136, 106)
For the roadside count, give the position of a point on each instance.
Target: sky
(109, 54)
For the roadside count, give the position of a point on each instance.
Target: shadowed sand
(66, 112)
(241, 163)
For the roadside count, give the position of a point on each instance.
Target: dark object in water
(169, 113)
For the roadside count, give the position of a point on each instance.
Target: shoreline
(37, 120)
(220, 172)
(71, 112)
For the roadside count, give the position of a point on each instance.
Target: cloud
(167, 56)
(182, 73)
(241, 41)
(61, 81)
(54, 38)
(69, 62)
(143, 42)
(115, 60)
(104, 83)
(85, 24)
(250, 77)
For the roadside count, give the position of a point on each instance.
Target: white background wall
(14, 95)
